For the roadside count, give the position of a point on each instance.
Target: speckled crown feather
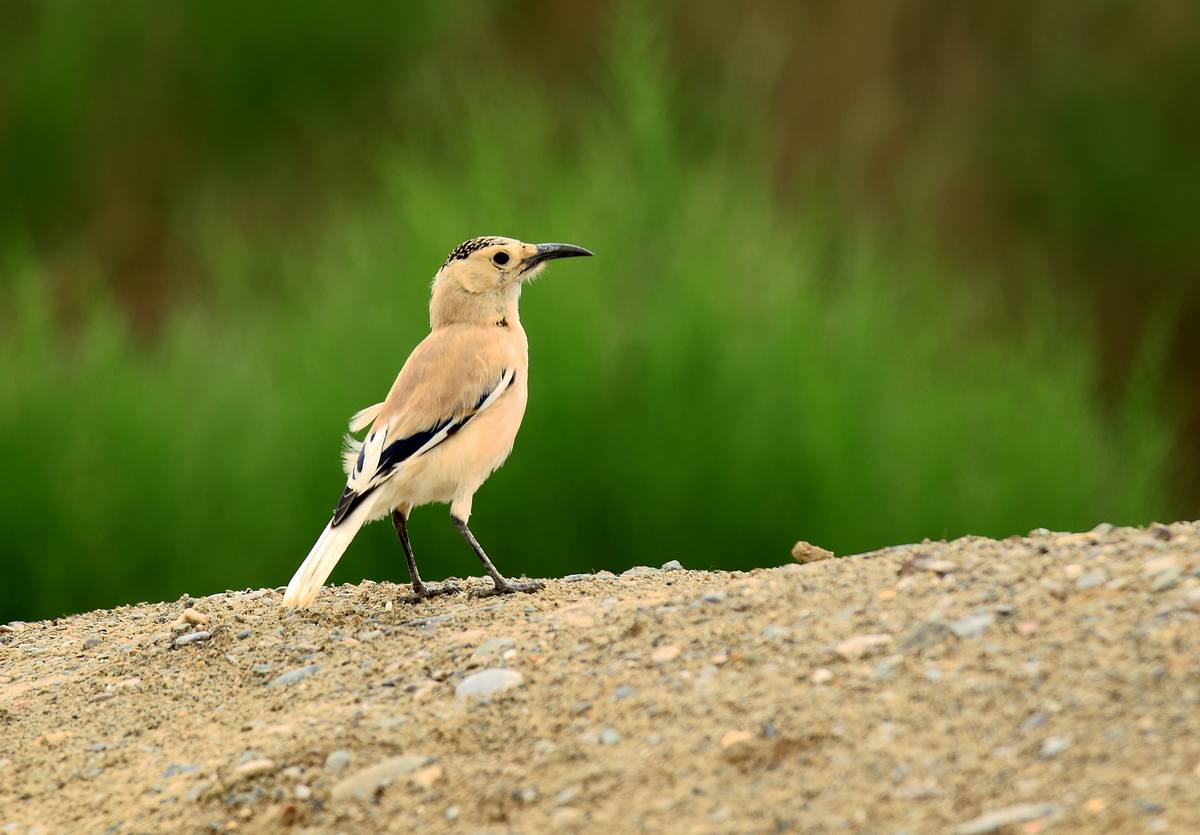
(467, 247)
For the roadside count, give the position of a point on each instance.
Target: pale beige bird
(450, 418)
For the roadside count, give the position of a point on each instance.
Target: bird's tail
(319, 563)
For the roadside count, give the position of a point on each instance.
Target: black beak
(547, 252)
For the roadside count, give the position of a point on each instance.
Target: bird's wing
(452, 376)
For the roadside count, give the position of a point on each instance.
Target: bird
(450, 418)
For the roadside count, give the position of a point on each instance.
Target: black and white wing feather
(381, 454)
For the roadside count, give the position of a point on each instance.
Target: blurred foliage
(860, 279)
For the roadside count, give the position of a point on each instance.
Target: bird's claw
(424, 592)
(509, 587)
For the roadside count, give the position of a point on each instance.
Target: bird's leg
(420, 590)
(500, 585)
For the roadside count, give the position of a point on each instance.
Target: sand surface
(1035, 683)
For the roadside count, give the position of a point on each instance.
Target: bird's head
(484, 276)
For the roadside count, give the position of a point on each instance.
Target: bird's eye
(500, 258)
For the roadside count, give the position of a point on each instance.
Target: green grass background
(744, 363)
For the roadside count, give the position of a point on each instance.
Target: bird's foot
(424, 592)
(509, 587)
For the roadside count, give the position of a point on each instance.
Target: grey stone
(575, 578)
(487, 683)
(493, 646)
(972, 626)
(993, 821)
(609, 736)
(714, 597)
(295, 676)
(925, 635)
(1053, 746)
(887, 668)
(1034, 720)
(639, 571)
(774, 632)
(623, 692)
(92, 642)
(364, 784)
(190, 638)
(1167, 579)
(244, 798)
(198, 790)
(337, 761)
(1092, 579)
(672, 565)
(176, 768)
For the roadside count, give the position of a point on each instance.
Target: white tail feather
(319, 563)
(365, 417)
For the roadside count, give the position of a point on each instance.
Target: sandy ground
(1044, 682)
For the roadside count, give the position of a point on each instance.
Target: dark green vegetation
(219, 233)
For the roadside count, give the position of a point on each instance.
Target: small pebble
(774, 632)
(1167, 579)
(664, 653)
(1159, 564)
(295, 676)
(362, 785)
(1092, 579)
(672, 565)
(887, 668)
(1053, 746)
(862, 645)
(570, 578)
(494, 646)
(714, 597)
(1000, 818)
(623, 692)
(337, 761)
(609, 736)
(487, 683)
(806, 552)
(191, 638)
(254, 768)
(972, 626)
(452, 813)
(821, 675)
(639, 571)
(732, 738)
(924, 635)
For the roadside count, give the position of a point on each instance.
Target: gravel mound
(968, 686)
